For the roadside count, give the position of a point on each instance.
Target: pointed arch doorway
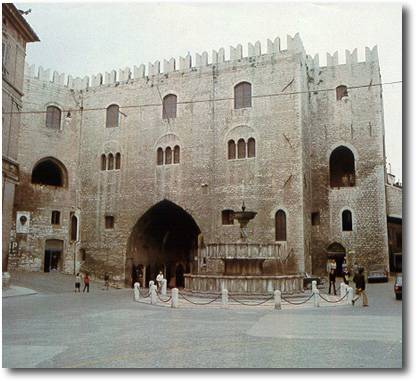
(336, 251)
(163, 239)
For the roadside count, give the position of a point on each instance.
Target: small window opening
(176, 154)
(341, 92)
(316, 218)
(168, 156)
(227, 217)
(231, 149)
(280, 222)
(346, 220)
(53, 117)
(103, 162)
(56, 217)
(74, 227)
(159, 159)
(118, 160)
(112, 116)
(169, 106)
(110, 162)
(242, 95)
(251, 147)
(109, 222)
(241, 146)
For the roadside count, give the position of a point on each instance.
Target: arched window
(242, 95)
(168, 155)
(53, 117)
(103, 162)
(159, 156)
(251, 147)
(231, 149)
(346, 221)
(241, 146)
(110, 161)
(280, 225)
(49, 172)
(118, 160)
(176, 154)
(112, 118)
(74, 227)
(342, 168)
(169, 106)
(341, 92)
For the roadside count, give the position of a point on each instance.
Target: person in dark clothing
(345, 272)
(106, 281)
(332, 279)
(86, 283)
(359, 281)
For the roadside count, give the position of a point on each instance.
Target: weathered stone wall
(37, 142)
(357, 123)
(295, 133)
(394, 201)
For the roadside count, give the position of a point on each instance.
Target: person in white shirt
(159, 279)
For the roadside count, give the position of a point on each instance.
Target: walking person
(78, 283)
(159, 279)
(106, 280)
(332, 279)
(345, 272)
(86, 283)
(359, 281)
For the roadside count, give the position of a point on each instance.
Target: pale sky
(85, 39)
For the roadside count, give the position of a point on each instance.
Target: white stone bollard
(314, 285)
(224, 297)
(164, 283)
(316, 297)
(343, 289)
(153, 294)
(175, 298)
(350, 296)
(136, 291)
(277, 300)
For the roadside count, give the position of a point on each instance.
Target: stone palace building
(136, 172)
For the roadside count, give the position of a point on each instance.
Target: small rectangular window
(316, 218)
(56, 216)
(109, 222)
(227, 217)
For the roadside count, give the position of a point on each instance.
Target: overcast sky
(85, 39)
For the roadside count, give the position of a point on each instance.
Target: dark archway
(49, 171)
(342, 168)
(164, 239)
(53, 255)
(336, 251)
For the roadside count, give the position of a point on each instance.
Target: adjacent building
(16, 34)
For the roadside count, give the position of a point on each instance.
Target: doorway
(53, 255)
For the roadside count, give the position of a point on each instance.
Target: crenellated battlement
(273, 48)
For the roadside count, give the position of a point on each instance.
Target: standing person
(328, 266)
(334, 265)
(359, 281)
(345, 272)
(332, 279)
(159, 279)
(106, 280)
(86, 283)
(78, 283)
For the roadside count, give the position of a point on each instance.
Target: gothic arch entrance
(163, 239)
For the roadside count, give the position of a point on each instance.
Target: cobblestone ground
(58, 328)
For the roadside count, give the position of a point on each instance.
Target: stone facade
(172, 212)
(16, 34)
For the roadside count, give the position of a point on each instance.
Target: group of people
(357, 277)
(86, 279)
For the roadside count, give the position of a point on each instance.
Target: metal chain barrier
(144, 296)
(298, 303)
(164, 301)
(250, 304)
(333, 301)
(199, 304)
